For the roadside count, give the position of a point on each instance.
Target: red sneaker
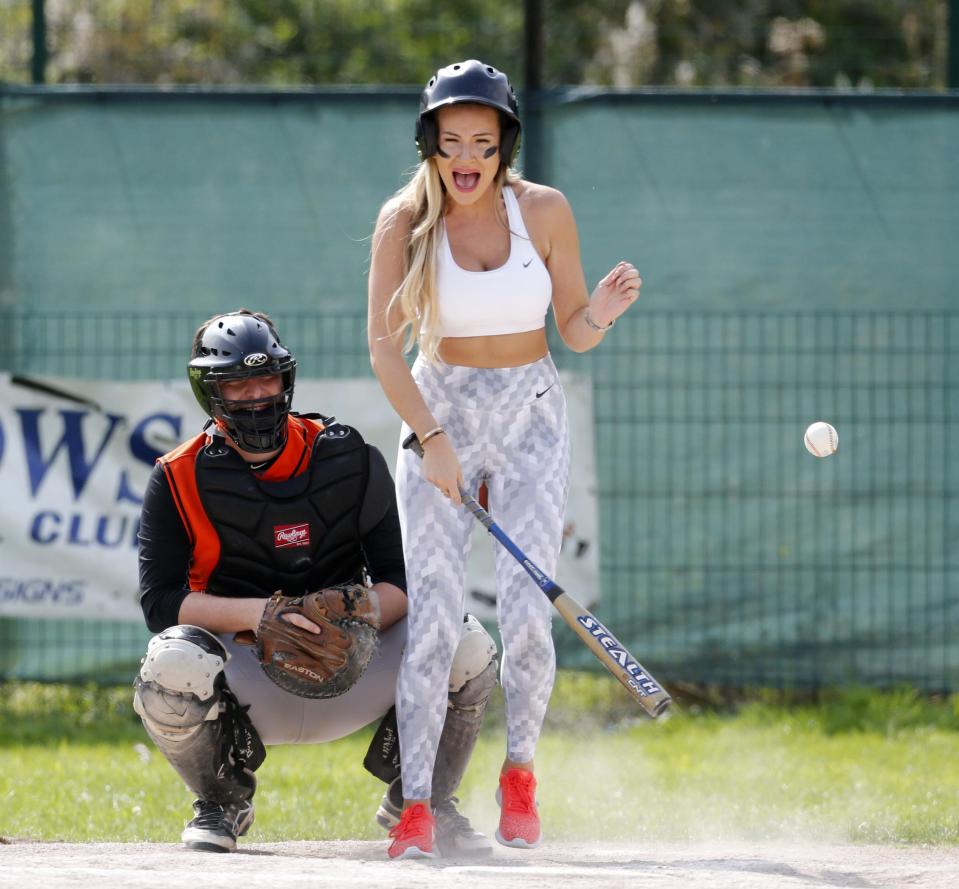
(413, 836)
(518, 818)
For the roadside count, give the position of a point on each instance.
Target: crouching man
(271, 570)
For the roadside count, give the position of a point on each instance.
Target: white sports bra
(510, 299)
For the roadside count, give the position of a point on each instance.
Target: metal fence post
(39, 64)
(532, 86)
(952, 61)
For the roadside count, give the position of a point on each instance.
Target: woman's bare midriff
(502, 350)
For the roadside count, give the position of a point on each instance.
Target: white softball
(821, 439)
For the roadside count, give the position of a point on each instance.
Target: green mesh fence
(729, 555)
(799, 261)
(203, 200)
(732, 556)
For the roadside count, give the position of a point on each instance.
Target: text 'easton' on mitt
(324, 664)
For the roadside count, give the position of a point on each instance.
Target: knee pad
(475, 652)
(177, 688)
(474, 696)
(192, 716)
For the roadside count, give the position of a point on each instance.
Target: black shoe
(454, 835)
(216, 827)
(391, 807)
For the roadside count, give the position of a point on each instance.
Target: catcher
(271, 569)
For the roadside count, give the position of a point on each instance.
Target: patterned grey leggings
(509, 429)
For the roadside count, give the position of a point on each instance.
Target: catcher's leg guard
(472, 680)
(192, 716)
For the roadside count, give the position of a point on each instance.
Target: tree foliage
(889, 43)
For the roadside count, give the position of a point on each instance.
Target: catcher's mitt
(324, 664)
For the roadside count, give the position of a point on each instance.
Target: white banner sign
(75, 456)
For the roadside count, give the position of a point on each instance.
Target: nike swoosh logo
(541, 394)
(528, 261)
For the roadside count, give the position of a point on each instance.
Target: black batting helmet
(240, 346)
(474, 82)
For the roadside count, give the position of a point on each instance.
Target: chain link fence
(729, 555)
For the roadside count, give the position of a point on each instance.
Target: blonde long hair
(424, 198)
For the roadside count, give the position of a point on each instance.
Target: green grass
(858, 766)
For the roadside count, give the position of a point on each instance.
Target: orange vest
(179, 466)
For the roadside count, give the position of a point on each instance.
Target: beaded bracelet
(439, 430)
(591, 323)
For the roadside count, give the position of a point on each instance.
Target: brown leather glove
(324, 664)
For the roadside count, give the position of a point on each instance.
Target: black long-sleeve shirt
(165, 549)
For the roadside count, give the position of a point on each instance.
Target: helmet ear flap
(426, 136)
(510, 141)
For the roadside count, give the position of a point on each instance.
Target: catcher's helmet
(240, 346)
(469, 82)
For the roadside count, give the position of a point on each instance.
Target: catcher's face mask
(252, 411)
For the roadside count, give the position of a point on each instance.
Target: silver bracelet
(591, 323)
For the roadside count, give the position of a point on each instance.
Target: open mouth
(466, 181)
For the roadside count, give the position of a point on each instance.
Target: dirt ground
(363, 865)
